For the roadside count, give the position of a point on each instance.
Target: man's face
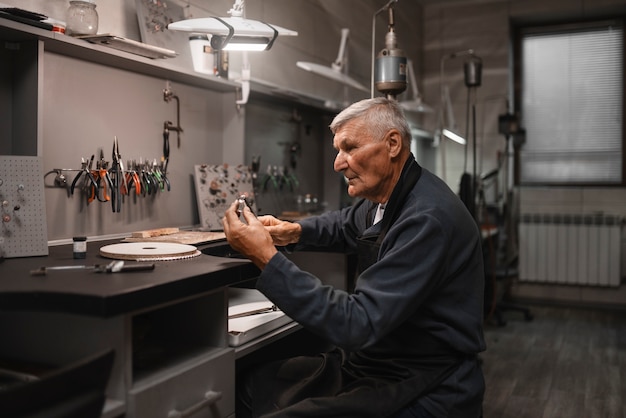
(364, 161)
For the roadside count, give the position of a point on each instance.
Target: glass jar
(82, 18)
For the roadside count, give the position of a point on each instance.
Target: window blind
(572, 106)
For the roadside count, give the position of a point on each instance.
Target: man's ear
(394, 142)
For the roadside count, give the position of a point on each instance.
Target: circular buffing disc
(144, 251)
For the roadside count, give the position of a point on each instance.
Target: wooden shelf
(81, 49)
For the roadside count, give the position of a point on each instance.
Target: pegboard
(217, 187)
(23, 229)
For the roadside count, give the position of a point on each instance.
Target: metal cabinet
(170, 360)
(201, 388)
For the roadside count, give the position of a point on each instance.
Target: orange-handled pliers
(132, 180)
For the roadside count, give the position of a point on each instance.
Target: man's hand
(282, 232)
(251, 240)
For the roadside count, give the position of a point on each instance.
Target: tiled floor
(566, 363)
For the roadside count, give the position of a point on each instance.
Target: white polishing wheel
(144, 251)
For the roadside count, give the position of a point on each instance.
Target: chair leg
(507, 306)
(497, 314)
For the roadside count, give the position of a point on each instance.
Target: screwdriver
(112, 267)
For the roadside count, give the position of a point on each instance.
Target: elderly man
(408, 335)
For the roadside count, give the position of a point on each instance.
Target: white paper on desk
(243, 308)
(246, 328)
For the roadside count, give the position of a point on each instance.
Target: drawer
(200, 388)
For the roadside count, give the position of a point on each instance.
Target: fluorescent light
(455, 137)
(241, 43)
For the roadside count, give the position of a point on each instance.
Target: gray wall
(272, 130)
(84, 105)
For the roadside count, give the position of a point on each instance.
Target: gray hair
(380, 114)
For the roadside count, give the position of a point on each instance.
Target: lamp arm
(449, 113)
(446, 107)
(238, 8)
(412, 80)
(385, 7)
(341, 56)
(245, 80)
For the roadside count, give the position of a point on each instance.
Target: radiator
(570, 249)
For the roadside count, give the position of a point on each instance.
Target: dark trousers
(319, 386)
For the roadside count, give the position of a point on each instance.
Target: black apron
(353, 385)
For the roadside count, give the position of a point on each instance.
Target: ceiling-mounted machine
(389, 66)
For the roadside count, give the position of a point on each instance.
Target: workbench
(168, 326)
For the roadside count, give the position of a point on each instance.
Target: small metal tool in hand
(113, 267)
(242, 202)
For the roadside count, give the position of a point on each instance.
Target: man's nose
(340, 162)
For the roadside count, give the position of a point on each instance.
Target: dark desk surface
(101, 294)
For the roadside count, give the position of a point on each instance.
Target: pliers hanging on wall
(103, 181)
(118, 179)
(131, 179)
(166, 153)
(146, 179)
(83, 170)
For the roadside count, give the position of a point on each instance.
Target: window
(571, 103)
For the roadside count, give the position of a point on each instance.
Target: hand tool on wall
(131, 179)
(115, 266)
(161, 176)
(146, 180)
(271, 175)
(290, 179)
(118, 179)
(103, 180)
(88, 177)
(165, 159)
(166, 146)
(111, 180)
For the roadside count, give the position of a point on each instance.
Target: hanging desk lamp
(337, 70)
(235, 33)
(415, 104)
(446, 122)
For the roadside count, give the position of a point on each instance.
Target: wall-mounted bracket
(168, 95)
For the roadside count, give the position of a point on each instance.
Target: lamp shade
(415, 104)
(234, 33)
(331, 73)
(337, 70)
(241, 26)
